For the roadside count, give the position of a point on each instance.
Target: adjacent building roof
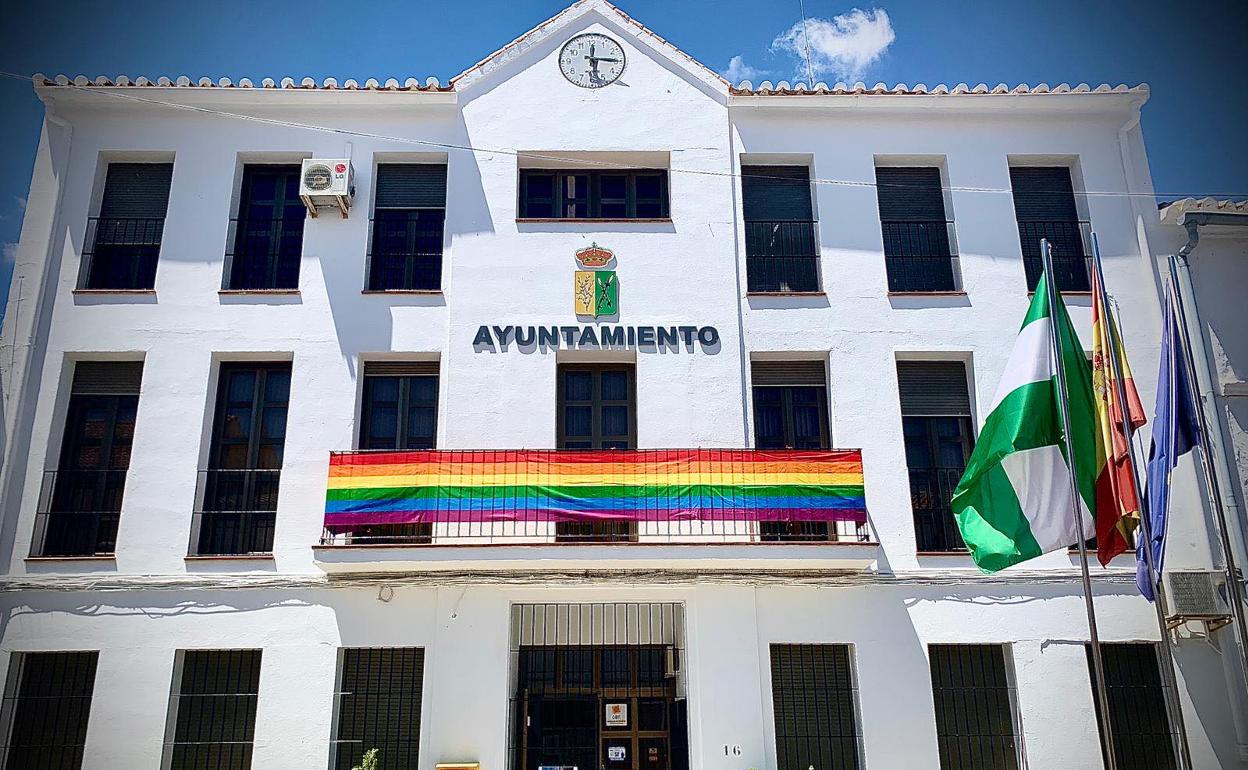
(1169, 212)
(783, 88)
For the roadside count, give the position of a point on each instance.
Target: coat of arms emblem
(595, 292)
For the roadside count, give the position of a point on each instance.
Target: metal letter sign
(595, 292)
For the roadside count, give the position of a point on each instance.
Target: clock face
(591, 60)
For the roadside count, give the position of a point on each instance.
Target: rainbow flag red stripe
(545, 485)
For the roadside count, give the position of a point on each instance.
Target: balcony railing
(78, 513)
(237, 512)
(624, 497)
(935, 529)
(782, 256)
(121, 252)
(406, 253)
(265, 253)
(1070, 243)
(919, 256)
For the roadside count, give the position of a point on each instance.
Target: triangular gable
(641, 35)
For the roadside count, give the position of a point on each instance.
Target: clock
(591, 60)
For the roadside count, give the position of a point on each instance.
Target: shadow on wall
(365, 322)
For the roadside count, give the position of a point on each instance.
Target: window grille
(918, 239)
(1139, 719)
(598, 686)
(936, 423)
(123, 241)
(814, 695)
(267, 237)
(975, 699)
(781, 234)
(378, 706)
(1045, 208)
(580, 194)
(212, 710)
(47, 702)
(80, 502)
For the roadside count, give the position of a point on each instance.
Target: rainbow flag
(547, 485)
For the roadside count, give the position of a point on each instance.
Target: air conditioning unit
(327, 183)
(1194, 595)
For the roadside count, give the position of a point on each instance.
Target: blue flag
(1176, 429)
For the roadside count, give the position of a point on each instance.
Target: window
(581, 194)
(408, 219)
(781, 236)
(1044, 205)
(916, 232)
(1138, 717)
(936, 423)
(124, 240)
(399, 411)
(81, 502)
(268, 234)
(239, 489)
(597, 406)
(47, 701)
(814, 696)
(212, 710)
(378, 707)
(790, 412)
(974, 697)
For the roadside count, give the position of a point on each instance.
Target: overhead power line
(531, 155)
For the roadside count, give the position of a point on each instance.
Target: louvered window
(47, 702)
(378, 706)
(936, 423)
(1139, 720)
(781, 235)
(409, 215)
(917, 240)
(975, 715)
(212, 710)
(1044, 205)
(123, 242)
(814, 696)
(267, 244)
(80, 506)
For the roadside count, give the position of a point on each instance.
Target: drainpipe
(1192, 221)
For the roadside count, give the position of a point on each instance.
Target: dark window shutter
(108, 378)
(411, 186)
(1138, 717)
(776, 193)
(400, 368)
(215, 710)
(782, 373)
(379, 706)
(933, 388)
(910, 194)
(813, 699)
(139, 190)
(974, 711)
(1043, 194)
(47, 703)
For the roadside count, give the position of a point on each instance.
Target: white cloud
(9, 254)
(845, 45)
(21, 203)
(738, 70)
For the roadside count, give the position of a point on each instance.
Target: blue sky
(1194, 124)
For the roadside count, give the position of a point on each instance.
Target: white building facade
(829, 271)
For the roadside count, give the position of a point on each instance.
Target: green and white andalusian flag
(1013, 502)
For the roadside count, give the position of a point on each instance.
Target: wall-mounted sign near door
(617, 715)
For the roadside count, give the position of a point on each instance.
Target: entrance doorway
(609, 695)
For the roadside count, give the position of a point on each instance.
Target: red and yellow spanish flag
(1117, 509)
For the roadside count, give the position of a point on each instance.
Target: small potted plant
(369, 761)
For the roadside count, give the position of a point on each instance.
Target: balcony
(265, 254)
(237, 512)
(935, 528)
(406, 252)
(121, 253)
(78, 513)
(782, 256)
(919, 256)
(679, 508)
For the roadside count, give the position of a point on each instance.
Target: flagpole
(1178, 734)
(1211, 481)
(1098, 665)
